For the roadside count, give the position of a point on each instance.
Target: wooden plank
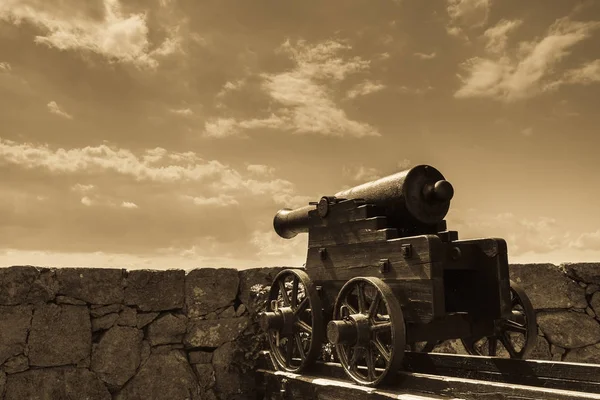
(364, 230)
(343, 261)
(278, 385)
(558, 375)
(424, 384)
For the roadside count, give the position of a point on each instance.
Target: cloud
(55, 109)
(222, 200)
(184, 112)
(497, 36)
(588, 240)
(152, 165)
(361, 173)
(527, 71)
(586, 74)
(231, 86)
(364, 88)
(261, 170)
(404, 164)
(86, 201)
(82, 188)
(5, 67)
(304, 95)
(117, 37)
(527, 131)
(424, 56)
(226, 127)
(128, 204)
(467, 14)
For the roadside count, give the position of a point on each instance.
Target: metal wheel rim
(313, 339)
(527, 329)
(395, 352)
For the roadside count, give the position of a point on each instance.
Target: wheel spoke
(382, 350)
(370, 364)
(515, 301)
(350, 308)
(513, 326)
(362, 303)
(303, 326)
(302, 306)
(295, 291)
(284, 294)
(374, 305)
(492, 346)
(507, 343)
(381, 326)
(289, 350)
(300, 346)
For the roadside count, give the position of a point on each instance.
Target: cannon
(384, 275)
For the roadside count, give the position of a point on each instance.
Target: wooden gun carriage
(384, 274)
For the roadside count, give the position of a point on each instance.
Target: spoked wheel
(368, 330)
(293, 320)
(514, 337)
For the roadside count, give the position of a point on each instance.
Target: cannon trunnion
(383, 273)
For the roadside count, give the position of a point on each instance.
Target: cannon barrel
(417, 196)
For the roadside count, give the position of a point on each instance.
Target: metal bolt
(323, 253)
(384, 265)
(455, 253)
(407, 250)
(283, 388)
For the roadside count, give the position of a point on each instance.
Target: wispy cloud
(129, 204)
(55, 109)
(4, 66)
(154, 165)
(361, 173)
(426, 56)
(303, 95)
(531, 68)
(118, 37)
(364, 88)
(184, 112)
(467, 14)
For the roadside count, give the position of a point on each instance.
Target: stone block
(213, 333)
(209, 289)
(166, 329)
(118, 355)
(547, 286)
(60, 335)
(155, 290)
(64, 383)
(26, 284)
(585, 272)
(15, 322)
(92, 285)
(165, 376)
(587, 354)
(569, 329)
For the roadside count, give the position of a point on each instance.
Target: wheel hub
(354, 329)
(281, 320)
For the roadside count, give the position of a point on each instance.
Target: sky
(168, 133)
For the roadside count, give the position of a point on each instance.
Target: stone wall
(90, 333)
